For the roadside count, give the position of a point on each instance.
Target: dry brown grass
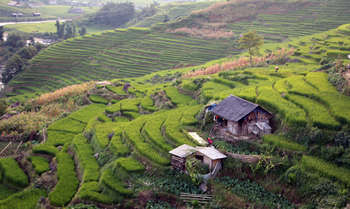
(212, 33)
(276, 57)
(64, 92)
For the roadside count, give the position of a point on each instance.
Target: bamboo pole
(5, 147)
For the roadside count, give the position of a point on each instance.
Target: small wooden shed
(210, 156)
(207, 155)
(179, 156)
(241, 117)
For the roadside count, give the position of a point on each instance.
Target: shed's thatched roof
(234, 108)
(183, 151)
(211, 153)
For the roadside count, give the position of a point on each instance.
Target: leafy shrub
(256, 193)
(326, 168)
(98, 99)
(87, 161)
(12, 173)
(40, 164)
(174, 182)
(26, 199)
(282, 142)
(67, 181)
(129, 164)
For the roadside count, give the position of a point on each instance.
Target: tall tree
(82, 31)
(58, 27)
(251, 41)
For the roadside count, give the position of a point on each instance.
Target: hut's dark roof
(234, 108)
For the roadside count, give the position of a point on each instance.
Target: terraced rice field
(114, 54)
(316, 16)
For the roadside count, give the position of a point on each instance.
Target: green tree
(113, 14)
(251, 41)
(82, 31)
(58, 27)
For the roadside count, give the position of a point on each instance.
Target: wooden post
(5, 147)
(18, 146)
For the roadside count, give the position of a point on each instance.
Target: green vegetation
(283, 143)
(176, 97)
(40, 164)
(12, 174)
(326, 168)
(67, 181)
(129, 164)
(87, 162)
(111, 55)
(46, 27)
(26, 199)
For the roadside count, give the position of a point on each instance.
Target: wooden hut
(241, 117)
(210, 156)
(179, 156)
(207, 155)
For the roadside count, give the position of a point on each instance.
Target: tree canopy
(251, 41)
(114, 14)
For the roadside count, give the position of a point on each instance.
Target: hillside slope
(116, 150)
(114, 54)
(276, 20)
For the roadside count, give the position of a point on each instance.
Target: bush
(67, 181)
(129, 164)
(282, 142)
(87, 161)
(26, 199)
(40, 164)
(12, 173)
(98, 99)
(326, 168)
